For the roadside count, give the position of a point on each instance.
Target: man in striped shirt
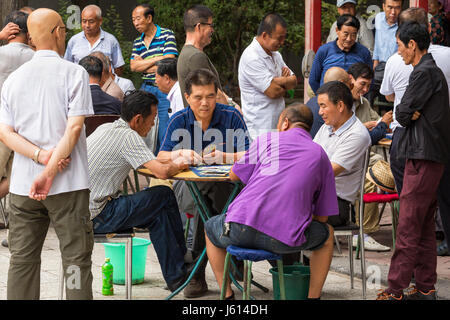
(113, 150)
(154, 44)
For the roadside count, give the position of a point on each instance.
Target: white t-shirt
(175, 99)
(256, 72)
(346, 147)
(396, 74)
(36, 101)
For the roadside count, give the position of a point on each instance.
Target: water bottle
(107, 278)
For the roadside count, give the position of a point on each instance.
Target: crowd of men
(182, 117)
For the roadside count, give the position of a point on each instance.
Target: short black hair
(18, 17)
(384, 1)
(194, 15)
(149, 10)
(167, 66)
(93, 65)
(200, 77)
(412, 30)
(138, 102)
(269, 23)
(348, 20)
(337, 91)
(362, 70)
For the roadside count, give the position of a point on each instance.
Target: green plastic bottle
(107, 278)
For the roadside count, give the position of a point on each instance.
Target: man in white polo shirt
(167, 81)
(93, 38)
(345, 140)
(264, 78)
(43, 106)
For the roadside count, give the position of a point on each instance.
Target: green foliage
(62, 10)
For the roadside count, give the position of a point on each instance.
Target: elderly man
(167, 81)
(102, 102)
(39, 195)
(199, 27)
(154, 44)
(394, 85)
(108, 84)
(264, 77)
(424, 112)
(302, 222)
(93, 38)
(342, 53)
(113, 150)
(364, 36)
(345, 140)
(207, 132)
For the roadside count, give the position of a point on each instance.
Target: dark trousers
(156, 209)
(444, 202)
(415, 246)
(397, 159)
(343, 218)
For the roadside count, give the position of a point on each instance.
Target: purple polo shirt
(288, 178)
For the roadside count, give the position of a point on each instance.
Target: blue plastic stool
(249, 256)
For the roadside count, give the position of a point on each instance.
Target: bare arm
(142, 65)
(391, 97)
(187, 156)
(322, 219)
(337, 169)
(164, 169)
(233, 176)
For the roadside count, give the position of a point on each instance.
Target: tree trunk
(7, 6)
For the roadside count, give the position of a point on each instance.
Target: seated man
(255, 218)
(345, 140)
(113, 150)
(204, 125)
(109, 85)
(166, 79)
(103, 103)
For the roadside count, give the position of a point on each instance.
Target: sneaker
(415, 294)
(442, 249)
(196, 288)
(383, 295)
(370, 244)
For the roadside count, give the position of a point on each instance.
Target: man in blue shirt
(342, 53)
(207, 132)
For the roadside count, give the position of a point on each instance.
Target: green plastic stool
(249, 256)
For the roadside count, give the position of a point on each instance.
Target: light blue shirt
(385, 40)
(79, 47)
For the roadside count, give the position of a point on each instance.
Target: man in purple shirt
(289, 194)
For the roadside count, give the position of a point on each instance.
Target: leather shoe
(196, 288)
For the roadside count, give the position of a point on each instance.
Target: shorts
(241, 235)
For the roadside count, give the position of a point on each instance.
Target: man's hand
(370, 125)
(215, 157)
(415, 116)
(285, 72)
(387, 118)
(190, 157)
(45, 155)
(41, 186)
(9, 31)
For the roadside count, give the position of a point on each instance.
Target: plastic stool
(249, 256)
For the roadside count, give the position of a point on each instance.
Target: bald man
(94, 38)
(332, 74)
(299, 167)
(42, 138)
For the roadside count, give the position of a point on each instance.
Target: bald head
(296, 115)
(336, 74)
(47, 30)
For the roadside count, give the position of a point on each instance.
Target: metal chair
(249, 256)
(120, 237)
(348, 230)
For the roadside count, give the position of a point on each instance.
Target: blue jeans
(156, 209)
(163, 111)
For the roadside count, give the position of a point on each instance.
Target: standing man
(364, 36)
(264, 77)
(93, 38)
(154, 44)
(39, 195)
(424, 112)
(167, 82)
(199, 27)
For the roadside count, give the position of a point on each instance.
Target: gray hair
(103, 58)
(94, 7)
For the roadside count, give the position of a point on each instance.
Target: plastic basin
(296, 282)
(116, 253)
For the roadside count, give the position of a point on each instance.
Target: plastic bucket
(296, 282)
(116, 253)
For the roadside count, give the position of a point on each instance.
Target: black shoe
(196, 288)
(442, 249)
(5, 243)
(416, 294)
(230, 297)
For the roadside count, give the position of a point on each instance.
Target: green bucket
(116, 253)
(296, 282)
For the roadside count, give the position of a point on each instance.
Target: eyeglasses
(207, 24)
(61, 27)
